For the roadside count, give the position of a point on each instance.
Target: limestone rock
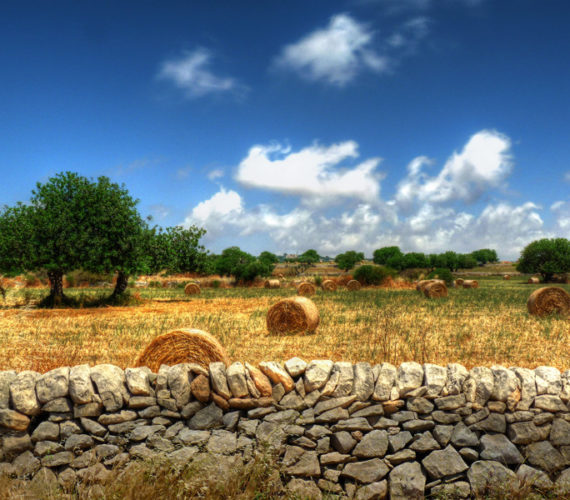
(424, 443)
(218, 379)
(498, 448)
(6, 378)
(46, 431)
(407, 482)
(505, 383)
(13, 420)
(261, 382)
(328, 388)
(544, 455)
(345, 379)
(317, 374)
(488, 474)
(560, 433)
(531, 476)
(342, 402)
(295, 366)
(479, 385)
(23, 393)
(373, 491)
(458, 489)
(435, 378)
(548, 380)
(564, 393)
(26, 464)
(200, 388)
(109, 380)
(363, 381)
(456, 375)
(178, 379)
(343, 442)
(549, 402)
(277, 375)
(410, 376)
(207, 418)
(236, 380)
(528, 387)
(222, 442)
(373, 444)
(446, 462)
(303, 488)
(368, 471)
(53, 384)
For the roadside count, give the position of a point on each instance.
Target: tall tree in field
(309, 257)
(348, 260)
(382, 255)
(547, 257)
(71, 223)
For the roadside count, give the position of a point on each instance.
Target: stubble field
(485, 326)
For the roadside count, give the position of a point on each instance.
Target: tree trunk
(56, 287)
(121, 285)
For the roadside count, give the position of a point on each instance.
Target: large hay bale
(343, 280)
(420, 285)
(549, 300)
(507, 277)
(470, 284)
(533, 280)
(459, 282)
(185, 345)
(435, 290)
(353, 285)
(192, 289)
(272, 284)
(306, 289)
(294, 315)
(329, 285)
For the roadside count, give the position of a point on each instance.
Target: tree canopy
(382, 255)
(309, 257)
(546, 256)
(348, 260)
(241, 265)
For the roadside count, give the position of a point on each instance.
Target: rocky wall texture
(356, 431)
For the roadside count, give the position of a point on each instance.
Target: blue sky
(288, 125)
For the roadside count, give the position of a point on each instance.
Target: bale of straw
(192, 289)
(294, 315)
(185, 345)
(420, 285)
(470, 284)
(507, 277)
(329, 285)
(533, 280)
(306, 289)
(459, 282)
(343, 280)
(549, 300)
(272, 284)
(435, 290)
(353, 285)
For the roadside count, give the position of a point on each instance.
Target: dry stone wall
(355, 431)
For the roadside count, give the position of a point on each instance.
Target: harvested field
(488, 325)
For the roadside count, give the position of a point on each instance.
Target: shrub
(372, 275)
(441, 274)
(318, 280)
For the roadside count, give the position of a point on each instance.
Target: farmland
(485, 326)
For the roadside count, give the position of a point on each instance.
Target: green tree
(309, 257)
(547, 257)
(72, 222)
(268, 257)
(186, 255)
(383, 255)
(372, 275)
(241, 265)
(466, 261)
(485, 255)
(348, 260)
(415, 259)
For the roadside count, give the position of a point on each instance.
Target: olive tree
(547, 257)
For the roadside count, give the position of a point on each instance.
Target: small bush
(318, 280)
(413, 274)
(441, 274)
(372, 275)
(216, 284)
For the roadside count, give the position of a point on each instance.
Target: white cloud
(315, 173)
(567, 176)
(484, 163)
(222, 204)
(159, 211)
(217, 173)
(191, 73)
(335, 54)
(561, 209)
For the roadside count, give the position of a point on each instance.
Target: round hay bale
(533, 280)
(459, 282)
(549, 300)
(281, 276)
(343, 280)
(192, 289)
(306, 289)
(420, 285)
(353, 285)
(295, 315)
(329, 285)
(272, 284)
(435, 290)
(185, 345)
(507, 277)
(470, 284)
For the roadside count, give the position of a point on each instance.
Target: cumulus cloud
(190, 73)
(334, 54)
(561, 210)
(567, 176)
(484, 163)
(217, 173)
(314, 173)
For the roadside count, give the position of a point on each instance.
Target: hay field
(484, 326)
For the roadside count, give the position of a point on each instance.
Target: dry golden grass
(484, 326)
